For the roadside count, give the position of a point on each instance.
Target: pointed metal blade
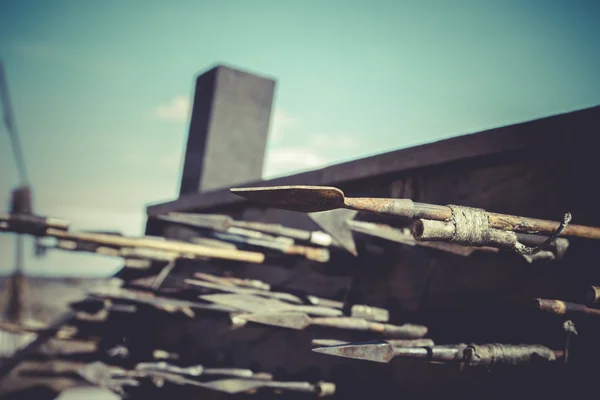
(248, 291)
(295, 198)
(217, 222)
(232, 386)
(335, 223)
(255, 304)
(381, 352)
(288, 320)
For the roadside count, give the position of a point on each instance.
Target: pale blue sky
(101, 89)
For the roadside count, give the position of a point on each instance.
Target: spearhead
(377, 352)
(255, 304)
(295, 198)
(288, 320)
(384, 352)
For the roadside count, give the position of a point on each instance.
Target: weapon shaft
(406, 331)
(233, 289)
(560, 307)
(165, 245)
(408, 209)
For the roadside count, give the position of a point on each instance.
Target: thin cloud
(286, 160)
(280, 121)
(326, 141)
(177, 109)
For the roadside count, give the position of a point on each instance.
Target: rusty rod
(323, 198)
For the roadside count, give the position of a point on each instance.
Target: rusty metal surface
(254, 304)
(560, 307)
(295, 198)
(335, 223)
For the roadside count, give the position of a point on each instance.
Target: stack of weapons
(165, 280)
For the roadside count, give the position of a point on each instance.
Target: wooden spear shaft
(324, 198)
(409, 209)
(165, 245)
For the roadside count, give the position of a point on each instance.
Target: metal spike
(233, 289)
(295, 198)
(255, 304)
(381, 352)
(288, 320)
(335, 223)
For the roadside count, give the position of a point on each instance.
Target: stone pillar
(228, 130)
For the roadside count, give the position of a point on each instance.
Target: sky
(101, 90)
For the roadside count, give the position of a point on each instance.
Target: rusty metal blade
(335, 223)
(381, 352)
(254, 304)
(208, 221)
(288, 320)
(238, 290)
(231, 386)
(295, 198)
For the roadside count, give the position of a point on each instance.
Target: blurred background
(102, 90)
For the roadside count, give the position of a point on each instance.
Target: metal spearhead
(207, 221)
(394, 342)
(295, 198)
(255, 304)
(234, 289)
(381, 352)
(335, 223)
(288, 320)
(232, 386)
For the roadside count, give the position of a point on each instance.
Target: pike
(223, 222)
(323, 198)
(404, 236)
(393, 342)
(254, 304)
(114, 378)
(109, 240)
(214, 223)
(470, 355)
(238, 290)
(258, 288)
(300, 321)
(235, 386)
(560, 307)
(310, 253)
(198, 370)
(232, 281)
(162, 303)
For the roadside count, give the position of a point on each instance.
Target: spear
(162, 303)
(254, 304)
(472, 355)
(393, 342)
(560, 307)
(114, 378)
(224, 222)
(38, 228)
(232, 281)
(198, 370)
(311, 253)
(299, 321)
(323, 198)
(263, 293)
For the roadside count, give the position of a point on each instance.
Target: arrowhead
(295, 198)
(334, 222)
(381, 352)
(288, 320)
(233, 386)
